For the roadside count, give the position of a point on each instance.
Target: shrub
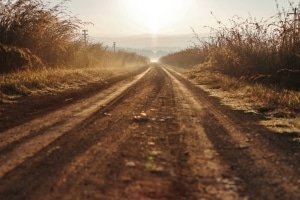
(13, 58)
(249, 47)
(33, 29)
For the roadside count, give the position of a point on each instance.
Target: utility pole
(86, 60)
(296, 23)
(85, 34)
(114, 46)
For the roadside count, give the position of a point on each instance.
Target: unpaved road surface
(149, 134)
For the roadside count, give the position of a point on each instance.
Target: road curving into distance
(150, 136)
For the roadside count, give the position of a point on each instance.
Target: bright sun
(155, 16)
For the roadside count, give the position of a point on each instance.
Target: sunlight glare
(154, 16)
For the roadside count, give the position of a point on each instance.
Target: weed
(247, 47)
(259, 59)
(35, 35)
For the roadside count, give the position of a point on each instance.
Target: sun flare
(154, 16)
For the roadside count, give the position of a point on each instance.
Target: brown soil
(30, 107)
(152, 137)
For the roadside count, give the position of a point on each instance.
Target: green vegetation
(259, 59)
(39, 41)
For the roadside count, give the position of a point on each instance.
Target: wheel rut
(160, 138)
(256, 166)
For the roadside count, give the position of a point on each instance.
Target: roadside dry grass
(281, 107)
(34, 82)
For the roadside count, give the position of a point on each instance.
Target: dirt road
(148, 135)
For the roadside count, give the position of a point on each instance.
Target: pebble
(107, 114)
(158, 169)
(155, 153)
(151, 143)
(130, 164)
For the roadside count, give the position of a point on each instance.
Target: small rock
(143, 114)
(130, 164)
(169, 118)
(154, 153)
(244, 147)
(68, 99)
(158, 169)
(151, 143)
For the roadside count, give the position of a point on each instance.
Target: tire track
(209, 171)
(183, 147)
(246, 156)
(42, 131)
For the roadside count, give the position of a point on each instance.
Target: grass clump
(41, 49)
(31, 82)
(261, 51)
(259, 59)
(38, 35)
(256, 96)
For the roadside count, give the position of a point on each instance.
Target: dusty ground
(152, 136)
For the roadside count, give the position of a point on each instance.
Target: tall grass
(79, 55)
(35, 35)
(258, 95)
(251, 49)
(186, 58)
(41, 49)
(256, 61)
(54, 80)
(31, 29)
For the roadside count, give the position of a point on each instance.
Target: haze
(122, 20)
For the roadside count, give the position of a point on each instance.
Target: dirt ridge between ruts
(258, 149)
(27, 108)
(49, 127)
(163, 139)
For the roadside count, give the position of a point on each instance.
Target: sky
(123, 18)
